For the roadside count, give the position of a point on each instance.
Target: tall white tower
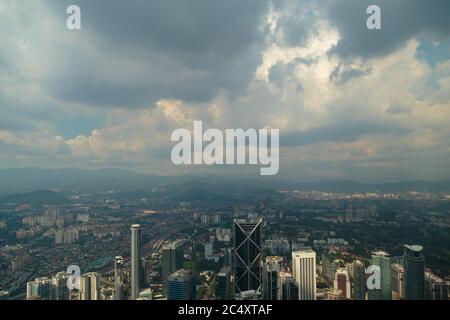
(135, 260)
(304, 272)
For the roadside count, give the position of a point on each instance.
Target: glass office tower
(247, 240)
(414, 262)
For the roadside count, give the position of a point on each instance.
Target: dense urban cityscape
(187, 242)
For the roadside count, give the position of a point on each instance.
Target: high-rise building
(21, 259)
(227, 257)
(205, 219)
(89, 286)
(208, 251)
(59, 236)
(435, 287)
(135, 261)
(224, 284)
(359, 281)
(147, 269)
(398, 281)
(181, 285)
(59, 286)
(142, 276)
(326, 264)
(40, 289)
(304, 272)
(271, 278)
(66, 236)
(334, 266)
(289, 286)
(171, 261)
(216, 219)
(383, 261)
(342, 283)
(414, 263)
(118, 278)
(247, 244)
(84, 293)
(49, 289)
(95, 285)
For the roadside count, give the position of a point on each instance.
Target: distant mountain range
(35, 198)
(23, 180)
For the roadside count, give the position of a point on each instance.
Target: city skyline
(214, 243)
(234, 155)
(414, 283)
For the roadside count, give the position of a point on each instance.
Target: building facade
(135, 261)
(247, 244)
(414, 263)
(304, 272)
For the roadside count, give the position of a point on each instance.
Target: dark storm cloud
(188, 49)
(401, 20)
(339, 132)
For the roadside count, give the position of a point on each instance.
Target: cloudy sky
(350, 103)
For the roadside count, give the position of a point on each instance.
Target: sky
(350, 103)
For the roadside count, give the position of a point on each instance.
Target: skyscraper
(224, 284)
(359, 281)
(142, 280)
(342, 283)
(181, 285)
(147, 269)
(398, 281)
(271, 278)
(84, 293)
(89, 286)
(171, 261)
(247, 243)
(289, 286)
(118, 278)
(59, 286)
(39, 289)
(414, 263)
(135, 261)
(304, 271)
(435, 287)
(382, 260)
